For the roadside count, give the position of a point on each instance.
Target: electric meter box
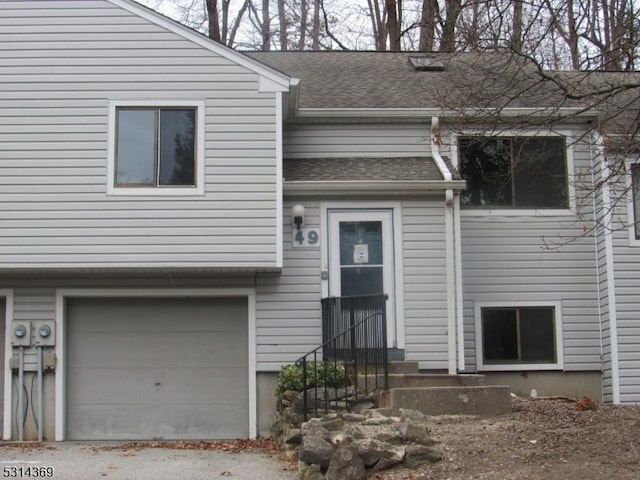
(44, 333)
(21, 334)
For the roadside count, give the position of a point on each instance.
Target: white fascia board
(356, 187)
(278, 80)
(425, 114)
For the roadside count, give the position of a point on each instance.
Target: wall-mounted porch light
(297, 212)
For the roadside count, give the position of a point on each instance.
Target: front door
(361, 258)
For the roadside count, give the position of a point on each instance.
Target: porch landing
(436, 394)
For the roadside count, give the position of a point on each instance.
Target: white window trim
(480, 366)
(198, 189)
(60, 348)
(631, 214)
(524, 212)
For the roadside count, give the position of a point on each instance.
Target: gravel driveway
(107, 460)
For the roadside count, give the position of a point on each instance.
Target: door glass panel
(361, 280)
(360, 243)
(361, 270)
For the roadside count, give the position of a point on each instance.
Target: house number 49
(306, 237)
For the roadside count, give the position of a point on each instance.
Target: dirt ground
(540, 440)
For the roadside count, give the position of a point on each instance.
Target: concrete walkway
(90, 460)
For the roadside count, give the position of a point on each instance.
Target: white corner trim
(278, 79)
(449, 236)
(607, 220)
(279, 180)
(559, 365)
(7, 373)
(398, 270)
(198, 190)
(63, 294)
(458, 273)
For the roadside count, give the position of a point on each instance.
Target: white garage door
(157, 368)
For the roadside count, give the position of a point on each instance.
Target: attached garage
(157, 368)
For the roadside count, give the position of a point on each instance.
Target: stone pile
(350, 446)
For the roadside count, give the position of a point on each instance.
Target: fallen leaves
(27, 446)
(259, 445)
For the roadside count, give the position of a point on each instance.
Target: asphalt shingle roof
(363, 169)
(338, 80)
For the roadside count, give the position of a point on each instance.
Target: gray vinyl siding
(537, 258)
(425, 281)
(627, 291)
(61, 64)
(288, 313)
(350, 140)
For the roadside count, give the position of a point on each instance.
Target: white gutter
(607, 221)
(449, 207)
(369, 187)
(567, 113)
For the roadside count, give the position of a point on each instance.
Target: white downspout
(607, 218)
(450, 254)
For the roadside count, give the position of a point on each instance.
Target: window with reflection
(514, 172)
(155, 147)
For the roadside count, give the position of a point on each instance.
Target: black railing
(351, 364)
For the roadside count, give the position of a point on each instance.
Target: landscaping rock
(372, 451)
(315, 450)
(415, 432)
(353, 417)
(294, 437)
(309, 472)
(346, 464)
(420, 454)
(392, 460)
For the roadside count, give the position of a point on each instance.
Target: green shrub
(319, 374)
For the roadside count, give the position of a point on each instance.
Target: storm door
(361, 257)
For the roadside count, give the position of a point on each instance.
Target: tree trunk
(266, 26)
(428, 25)
(516, 30)
(214, 21)
(315, 31)
(282, 17)
(392, 23)
(304, 24)
(448, 42)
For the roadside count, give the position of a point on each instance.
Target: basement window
(523, 337)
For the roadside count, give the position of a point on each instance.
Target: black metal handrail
(348, 365)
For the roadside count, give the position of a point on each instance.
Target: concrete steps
(441, 394)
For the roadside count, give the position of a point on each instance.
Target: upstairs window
(635, 188)
(155, 147)
(514, 172)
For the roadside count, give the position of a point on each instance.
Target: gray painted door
(152, 368)
(3, 310)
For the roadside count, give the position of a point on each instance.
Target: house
(152, 278)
